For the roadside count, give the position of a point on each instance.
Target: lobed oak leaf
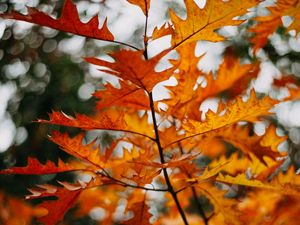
(235, 112)
(74, 146)
(136, 172)
(209, 173)
(287, 183)
(143, 4)
(56, 209)
(165, 29)
(186, 78)
(68, 22)
(34, 167)
(139, 71)
(260, 146)
(254, 167)
(168, 135)
(141, 214)
(128, 95)
(201, 24)
(104, 120)
(268, 24)
(231, 77)
(224, 208)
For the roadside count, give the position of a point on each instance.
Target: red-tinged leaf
(34, 167)
(141, 214)
(15, 211)
(128, 95)
(139, 71)
(90, 152)
(285, 80)
(74, 146)
(106, 121)
(64, 200)
(68, 22)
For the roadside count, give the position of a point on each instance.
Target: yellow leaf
(200, 24)
(237, 111)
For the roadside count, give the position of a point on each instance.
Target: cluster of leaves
(168, 143)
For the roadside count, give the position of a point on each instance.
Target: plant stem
(199, 206)
(162, 160)
(194, 192)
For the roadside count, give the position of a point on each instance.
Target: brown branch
(194, 192)
(162, 160)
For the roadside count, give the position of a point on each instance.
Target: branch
(195, 197)
(124, 184)
(162, 160)
(145, 32)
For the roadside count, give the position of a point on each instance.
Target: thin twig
(124, 184)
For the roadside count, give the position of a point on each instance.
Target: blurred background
(42, 70)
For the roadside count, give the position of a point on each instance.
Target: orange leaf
(143, 4)
(231, 76)
(139, 71)
(268, 24)
(141, 214)
(128, 95)
(164, 30)
(34, 167)
(64, 200)
(105, 120)
(68, 22)
(75, 147)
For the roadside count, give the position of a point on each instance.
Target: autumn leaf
(34, 167)
(224, 206)
(128, 95)
(173, 149)
(287, 183)
(277, 211)
(68, 22)
(141, 214)
(231, 73)
(266, 25)
(201, 24)
(165, 29)
(105, 120)
(139, 71)
(143, 4)
(74, 146)
(261, 146)
(236, 111)
(15, 211)
(65, 199)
